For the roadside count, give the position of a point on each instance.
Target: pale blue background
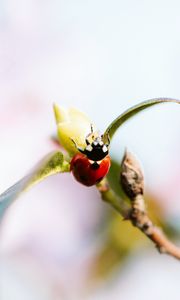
(102, 57)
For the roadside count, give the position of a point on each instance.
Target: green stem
(110, 197)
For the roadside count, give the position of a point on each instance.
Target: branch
(140, 219)
(110, 197)
(132, 181)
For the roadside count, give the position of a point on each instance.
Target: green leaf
(52, 164)
(132, 112)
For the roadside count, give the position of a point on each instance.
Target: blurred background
(59, 241)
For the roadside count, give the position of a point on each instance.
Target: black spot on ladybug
(95, 166)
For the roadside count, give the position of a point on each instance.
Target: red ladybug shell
(86, 172)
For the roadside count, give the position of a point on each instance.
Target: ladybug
(91, 164)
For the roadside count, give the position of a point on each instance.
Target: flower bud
(72, 125)
(131, 178)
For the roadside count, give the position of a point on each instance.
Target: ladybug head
(95, 149)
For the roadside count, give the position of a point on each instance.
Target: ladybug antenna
(90, 135)
(92, 130)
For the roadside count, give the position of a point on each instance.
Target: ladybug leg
(107, 142)
(80, 149)
(87, 141)
(108, 138)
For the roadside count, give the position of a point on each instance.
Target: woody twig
(132, 182)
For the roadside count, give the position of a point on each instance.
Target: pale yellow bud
(74, 125)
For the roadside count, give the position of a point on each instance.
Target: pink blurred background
(100, 57)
